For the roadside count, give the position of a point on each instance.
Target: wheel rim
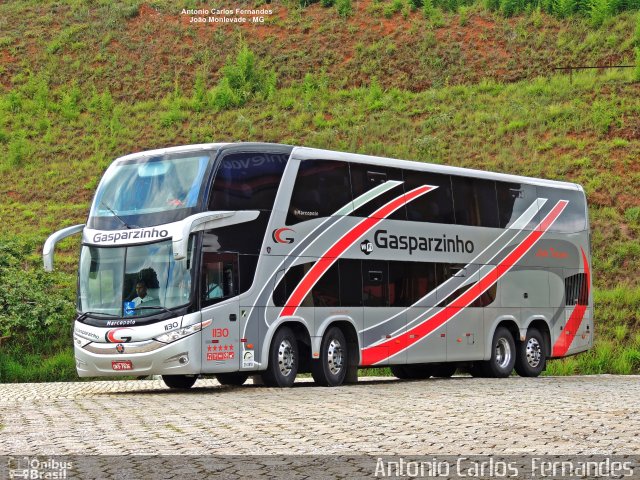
(286, 357)
(503, 353)
(534, 352)
(335, 356)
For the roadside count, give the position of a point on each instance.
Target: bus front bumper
(151, 357)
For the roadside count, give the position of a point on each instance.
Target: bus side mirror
(207, 221)
(50, 245)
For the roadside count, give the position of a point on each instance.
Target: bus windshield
(132, 281)
(149, 191)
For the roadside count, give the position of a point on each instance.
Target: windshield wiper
(154, 308)
(86, 314)
(129, 227)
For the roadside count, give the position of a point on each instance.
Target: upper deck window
(248, 181)
(321, 188)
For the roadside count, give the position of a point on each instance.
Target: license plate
(122, 365)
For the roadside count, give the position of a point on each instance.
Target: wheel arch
(350, 332)
(510, 323)
(543, 327)
(298, 326)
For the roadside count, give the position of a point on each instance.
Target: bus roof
(307, 153)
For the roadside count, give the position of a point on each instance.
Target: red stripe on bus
(330, 256)
(561, 347)
(375, 354)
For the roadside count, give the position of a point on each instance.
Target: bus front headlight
(174, 335)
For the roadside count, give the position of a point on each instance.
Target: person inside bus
(143, 297)
(214, 291)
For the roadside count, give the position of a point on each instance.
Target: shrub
(19, 150)
(599, 11)
(564, 8)
(392, 8)
(199, 96)
(428, 9)
(242, 79)
(327, 3)
(509, 8)
(35, 308)
(344, 8)
(632, 215)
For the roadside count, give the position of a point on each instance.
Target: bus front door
(220, 304)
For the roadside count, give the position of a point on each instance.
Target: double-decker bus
(260, 259)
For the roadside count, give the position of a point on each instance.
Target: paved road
(570, 415)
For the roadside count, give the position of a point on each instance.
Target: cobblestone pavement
(569, 415)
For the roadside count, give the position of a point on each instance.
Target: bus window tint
(513, 200)
(475, 202)
(422, 280)
(435, 206)
(375, 288)
(326, 291)
(399, 284)
(350, 283)
(235, 238)
(321, 189)
(573, 217)
(288, 282)
(366, 177)
(247, 181)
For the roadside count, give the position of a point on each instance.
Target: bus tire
(182, 382)
(531, 357)
(400, 371)
(445, 370)
(503, 354)
(331, 368)
(232, 378)
(283, 360)
(477, 369)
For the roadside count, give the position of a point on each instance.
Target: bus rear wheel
(233, 378)
(531, 357)
(182, 382)
(331, 368)
(503, 354)
(283, 360)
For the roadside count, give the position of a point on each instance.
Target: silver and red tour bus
(260, 259)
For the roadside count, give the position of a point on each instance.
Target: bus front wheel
(331, 368)
(283, 360)
(182, 382)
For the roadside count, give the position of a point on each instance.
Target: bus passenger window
(350, 283)
(375, 288)
(326, 291)
(247, 181)
(475, 202)
(366, 177)
(321, 189)
(435, 206)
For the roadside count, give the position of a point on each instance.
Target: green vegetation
(35, 309)
(76, 97)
